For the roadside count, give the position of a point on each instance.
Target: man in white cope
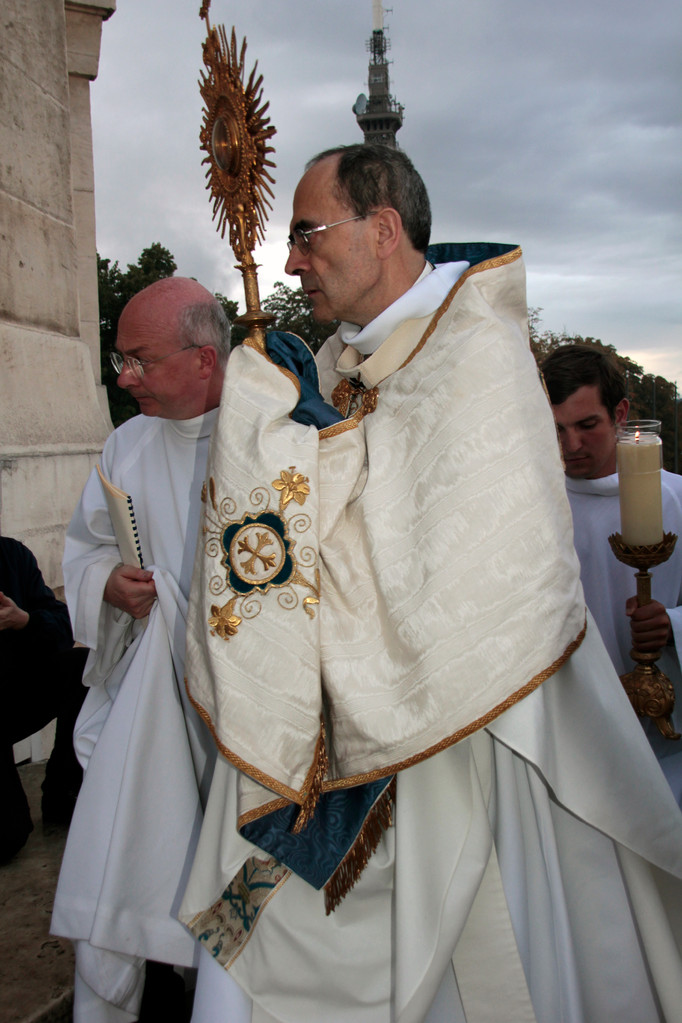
(432, 801)
(587, 391)
(147, 756)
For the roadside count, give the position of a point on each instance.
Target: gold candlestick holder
(650, 691)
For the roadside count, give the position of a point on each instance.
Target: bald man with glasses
(144, 749)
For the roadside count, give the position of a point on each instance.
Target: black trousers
(40, 691)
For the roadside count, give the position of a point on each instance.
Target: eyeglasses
(136, 366)
(300, 236)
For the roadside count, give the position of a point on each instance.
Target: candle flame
(636, 436)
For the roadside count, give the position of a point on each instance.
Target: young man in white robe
(146, 755)
(587, 391)
(406, 576)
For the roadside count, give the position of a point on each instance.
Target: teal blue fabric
(292, 352)
(473, 252)
(317, 851)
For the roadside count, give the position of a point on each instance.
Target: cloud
(558, 127)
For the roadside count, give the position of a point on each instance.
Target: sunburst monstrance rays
(234, 136)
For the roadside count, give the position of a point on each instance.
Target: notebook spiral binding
(136, 534)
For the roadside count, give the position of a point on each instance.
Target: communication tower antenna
(380, 117)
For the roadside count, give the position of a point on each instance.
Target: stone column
(53, 421)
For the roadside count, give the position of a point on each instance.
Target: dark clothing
(40, 679)
(49, 628)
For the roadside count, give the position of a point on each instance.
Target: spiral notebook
(122, 515)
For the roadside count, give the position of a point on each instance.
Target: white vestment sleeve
(90, 555)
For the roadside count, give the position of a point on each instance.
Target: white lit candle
(638, 455)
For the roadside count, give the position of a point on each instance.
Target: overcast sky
(555, 126)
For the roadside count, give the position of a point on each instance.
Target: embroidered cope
(424, 603)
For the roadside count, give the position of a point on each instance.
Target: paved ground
(36, 969)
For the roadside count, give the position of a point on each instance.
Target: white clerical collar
(193, 429)
(605, 486)
(422, 299)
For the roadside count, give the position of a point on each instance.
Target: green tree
(293, 311)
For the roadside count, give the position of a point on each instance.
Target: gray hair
(205, 323)
(371, 176)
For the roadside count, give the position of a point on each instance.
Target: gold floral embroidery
(308, 602)
(257, 552)
(223, 621)
(293, 486)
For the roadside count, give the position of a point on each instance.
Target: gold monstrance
(234, 136)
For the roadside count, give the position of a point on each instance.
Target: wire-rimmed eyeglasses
(135, 365)
(300, 236)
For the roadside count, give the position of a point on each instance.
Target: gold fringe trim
(312, 789)
(378, 820)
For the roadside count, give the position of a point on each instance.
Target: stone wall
(53, 412)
